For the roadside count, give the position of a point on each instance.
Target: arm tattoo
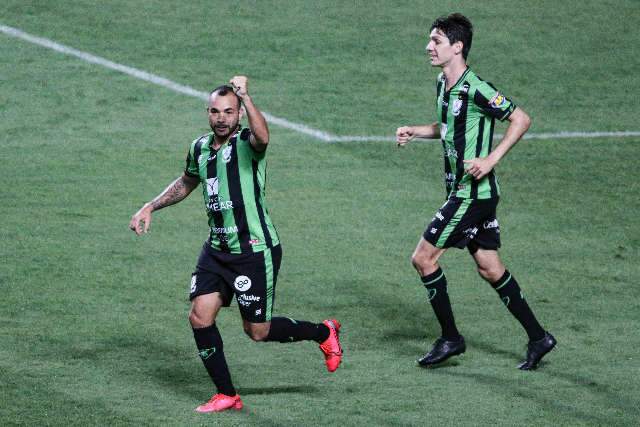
(175, 192)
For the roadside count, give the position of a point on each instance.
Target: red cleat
(221, 402)
(331, 346)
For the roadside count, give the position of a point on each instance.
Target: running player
(242, 254)
(467, 108)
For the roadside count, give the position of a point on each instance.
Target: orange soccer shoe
(331, 346)
(221, 402)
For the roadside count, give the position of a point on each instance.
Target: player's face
(440, 50)
(224, 114)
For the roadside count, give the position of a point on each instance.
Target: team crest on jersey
(226, 154)
(212, 186)
(457, 107)
(498, 100)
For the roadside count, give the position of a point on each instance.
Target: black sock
(211, 351)
(284, 329)
(511, 295)
(436, 285)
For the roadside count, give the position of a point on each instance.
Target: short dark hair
(224, 90)
(457, 28)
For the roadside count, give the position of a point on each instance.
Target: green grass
(93, 327)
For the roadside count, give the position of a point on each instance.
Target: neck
(218, 141)
(453, 71)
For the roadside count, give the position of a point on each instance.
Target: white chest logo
(226, 154)
(242, 283)
(457, 106)
(212, 186)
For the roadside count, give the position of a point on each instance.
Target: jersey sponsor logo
(213, 185)
(433, 230)
(258, 312)
(498, 100)
(439, 216)
(465, 88)
(490, 224)
(443, 131)
(449, 177)
(194, 279)
(457, 107)
(226, 154)
(218, 206)
(225, 230)
(451, 152)
(242, 283)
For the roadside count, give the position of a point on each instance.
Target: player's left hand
(479, 167)
(240, 85)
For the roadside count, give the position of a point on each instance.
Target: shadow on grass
(302, 389)
(548, 399)
(518, 357)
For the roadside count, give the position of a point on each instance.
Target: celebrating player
(242, 254)
(467, 108)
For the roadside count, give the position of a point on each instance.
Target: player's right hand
(141, 220)
(404, 134)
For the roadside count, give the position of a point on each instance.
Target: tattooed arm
(174, 193)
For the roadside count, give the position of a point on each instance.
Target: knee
(256, 334)
(423, 263)
(491, 275)
(199, 321)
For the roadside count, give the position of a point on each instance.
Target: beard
(223, 130)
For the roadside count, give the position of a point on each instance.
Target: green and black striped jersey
(233, 186)
(467, 114)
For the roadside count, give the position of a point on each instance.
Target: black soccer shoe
(536, 351)
(442, 350)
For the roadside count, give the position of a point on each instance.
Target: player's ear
(458, 47)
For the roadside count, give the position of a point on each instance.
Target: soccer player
(467, 107)
(242, 254)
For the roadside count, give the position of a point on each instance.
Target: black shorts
(460, 223)
(251, 277)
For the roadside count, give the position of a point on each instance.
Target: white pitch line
(152, 78)
(549, 135)
(279, 121)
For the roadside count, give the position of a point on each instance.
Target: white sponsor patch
(242, 283)
(213, 186)
(194, 279)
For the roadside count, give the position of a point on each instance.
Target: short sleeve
(493, 103)
(245, 136)
(191, 166)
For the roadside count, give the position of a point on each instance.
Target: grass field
(93, 321)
